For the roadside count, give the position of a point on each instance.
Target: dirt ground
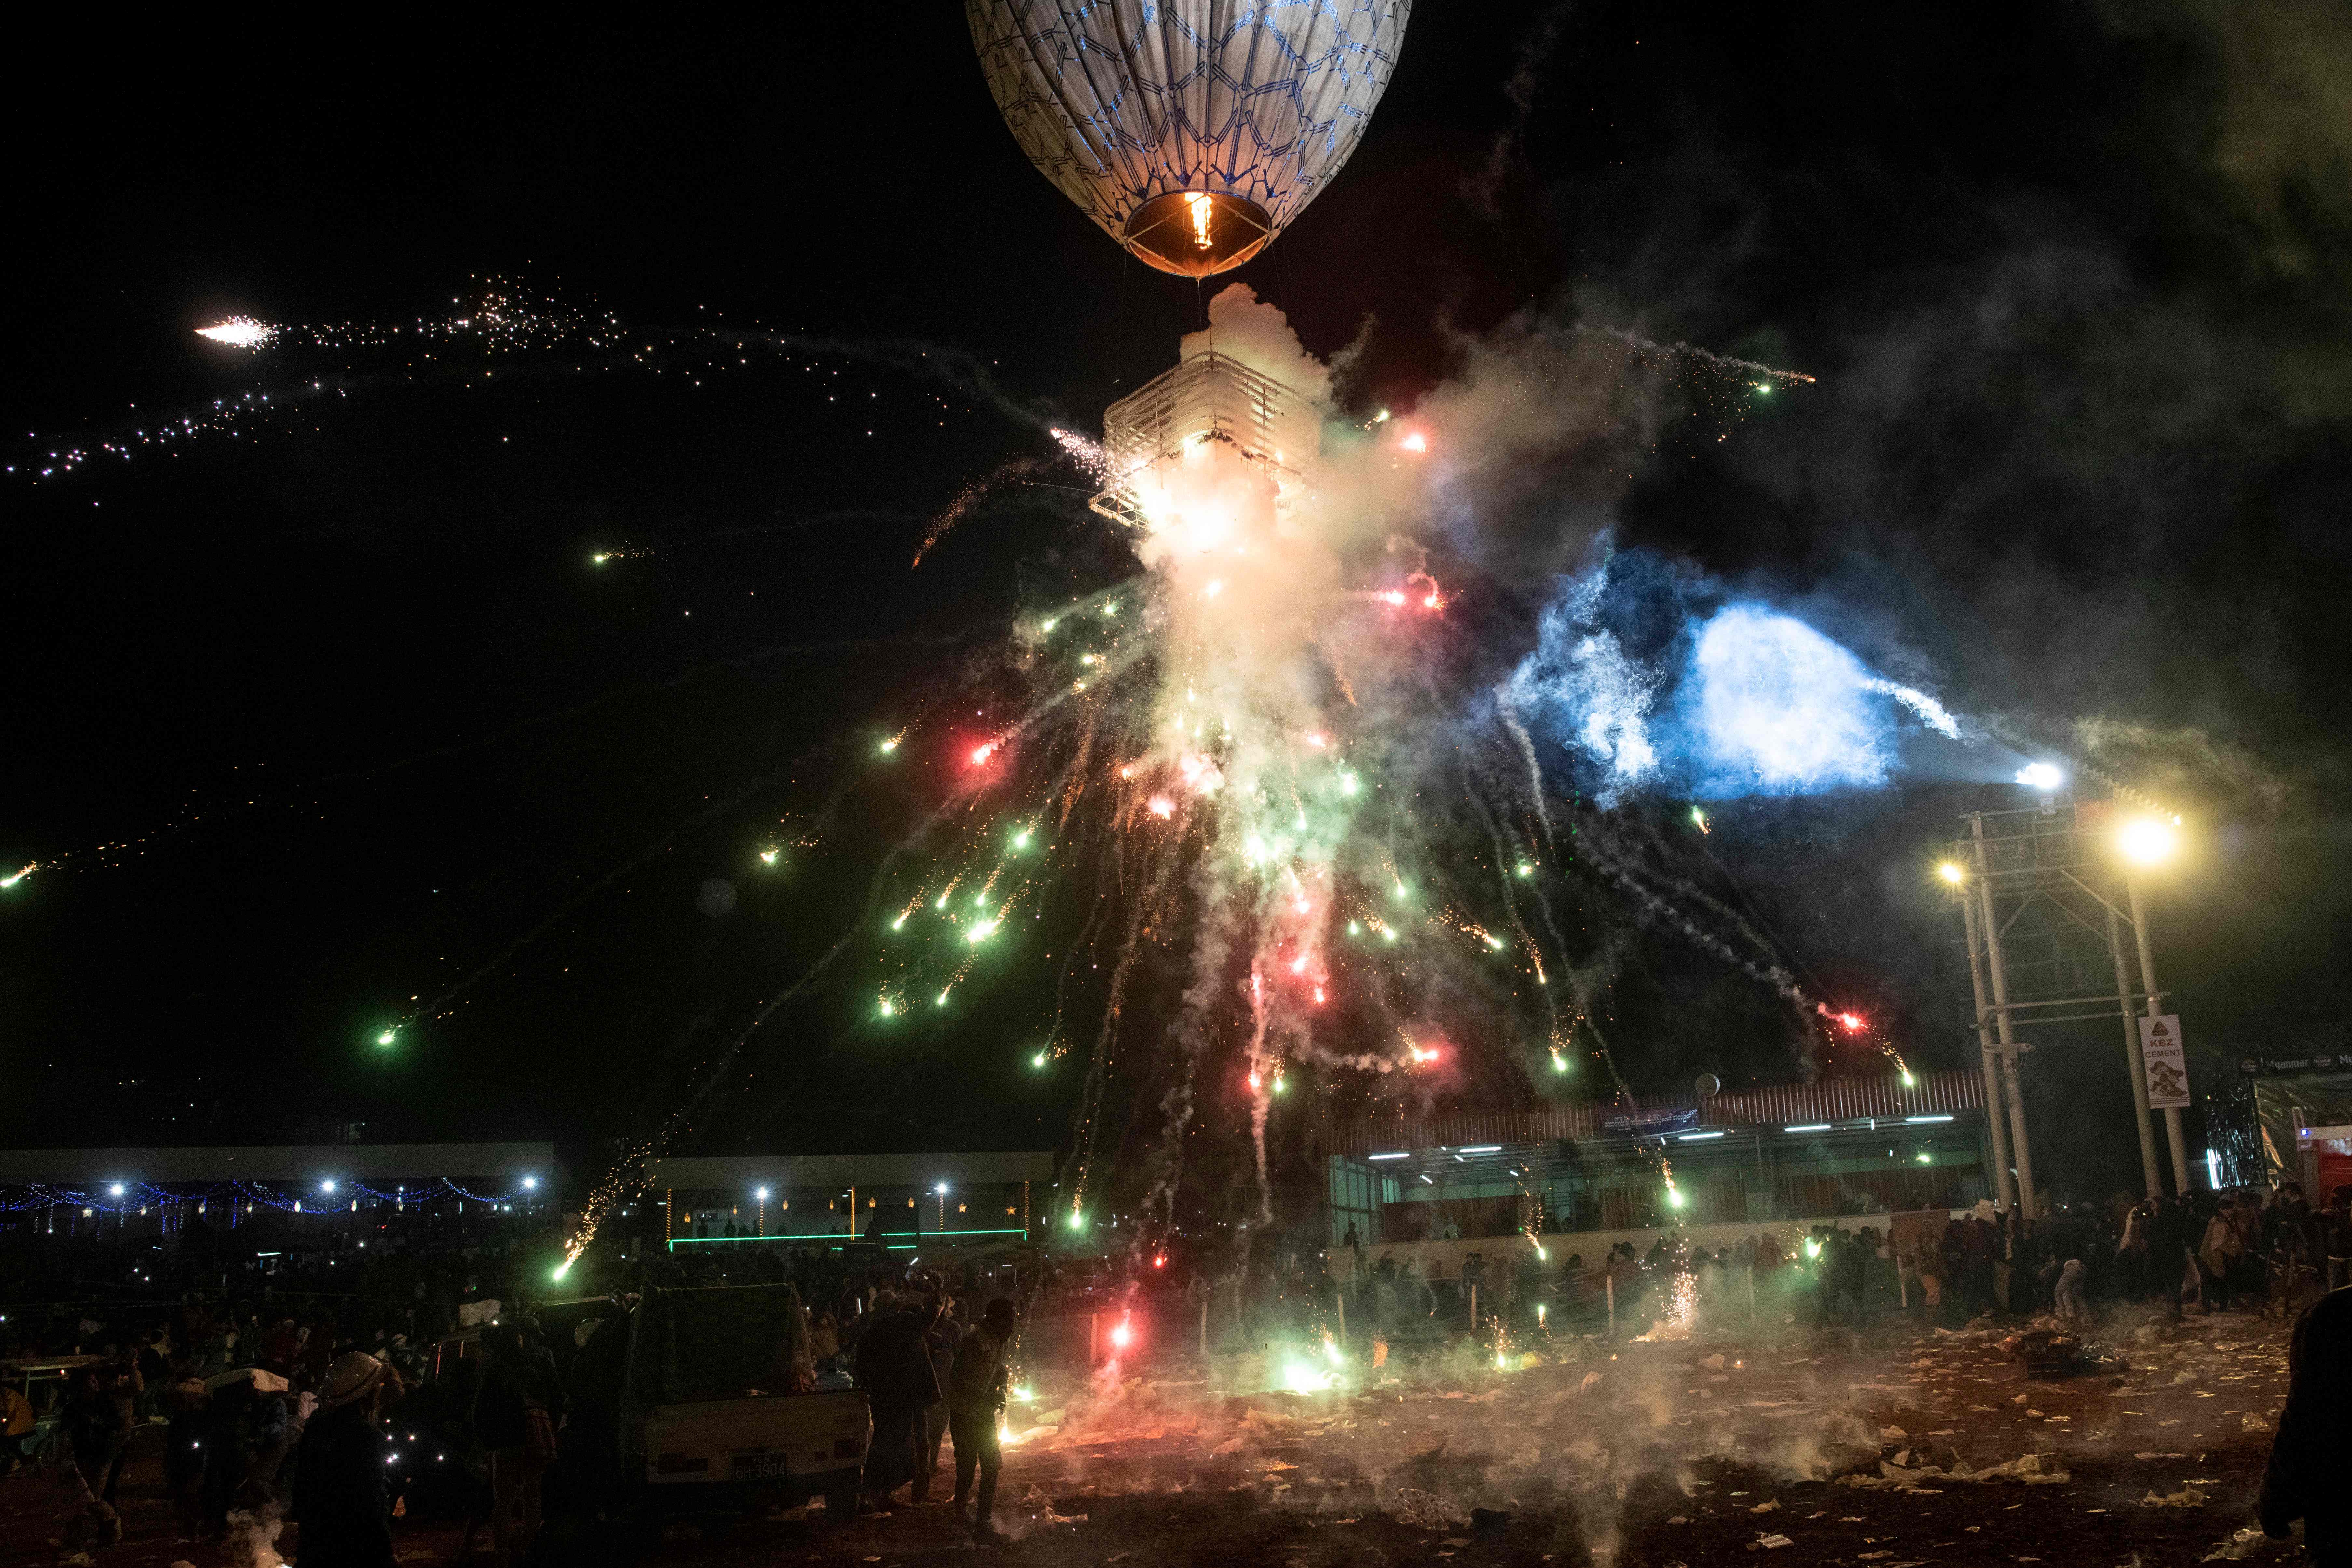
(1896, 1448)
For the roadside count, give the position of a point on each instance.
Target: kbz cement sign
(2167, 1066)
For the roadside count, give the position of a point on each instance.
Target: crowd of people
(334, 1388)
(324, 1385)
(2213, 1250)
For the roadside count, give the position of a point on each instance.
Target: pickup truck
(708, 1420)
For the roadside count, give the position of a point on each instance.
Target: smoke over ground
(1908, 1437)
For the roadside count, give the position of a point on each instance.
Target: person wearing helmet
(341, 1500)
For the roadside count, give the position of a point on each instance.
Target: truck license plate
(760, 1466)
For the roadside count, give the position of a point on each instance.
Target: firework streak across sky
(1329, 796)
(499, 327)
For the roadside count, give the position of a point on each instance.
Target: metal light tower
(2044, 915)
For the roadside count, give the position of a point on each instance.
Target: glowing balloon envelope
(1191, 131)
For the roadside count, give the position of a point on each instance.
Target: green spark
(385, 1039)
(1526, 868)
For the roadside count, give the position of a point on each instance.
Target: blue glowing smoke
(1651, 679)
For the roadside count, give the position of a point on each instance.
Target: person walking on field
(976, 1390)
(2313, 1451)
(341, 1501)
(894, 1367)
(515, 1412)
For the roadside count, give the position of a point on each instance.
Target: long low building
(1786, 1151)
(900, 1201)
(302, 1164)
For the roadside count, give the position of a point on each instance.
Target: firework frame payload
(1191, 131)
(1209, 396)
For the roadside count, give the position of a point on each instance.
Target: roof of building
(282, 1163)
(1825, 1100)
(787, 1171)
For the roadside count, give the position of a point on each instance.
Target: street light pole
(2133, 1062)
(2018, 1143)
(2148, 983)
(2004, 1186)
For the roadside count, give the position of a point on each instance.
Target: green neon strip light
(834, 1236)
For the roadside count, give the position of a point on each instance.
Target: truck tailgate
(757, 1439)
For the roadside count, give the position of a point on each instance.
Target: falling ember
(240, 333)
(1200, 207)
(1415, 442)
(1850, 1020)
(1161, 806)
(980, 755)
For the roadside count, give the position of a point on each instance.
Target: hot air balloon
(1191, 131)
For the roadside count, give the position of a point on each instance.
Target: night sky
(359, 720)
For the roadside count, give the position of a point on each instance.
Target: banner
(2167, 1066)
(2321, 1061)
(1649, 1124)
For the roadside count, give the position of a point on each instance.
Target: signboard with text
(2166, 1064)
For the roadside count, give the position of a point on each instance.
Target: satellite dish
(1191, 131)
(1708, 1086)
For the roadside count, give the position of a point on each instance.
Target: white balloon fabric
(1191, 131)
